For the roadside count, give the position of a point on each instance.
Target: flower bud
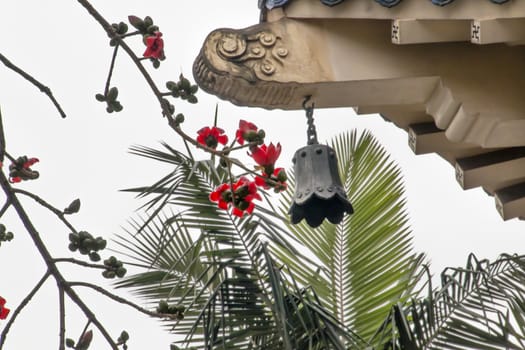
(70, 343)
(94, 256)
(163, 307)
(112, 94)
(122, 28)
(101, 243)
(148, 21)
(109, 274)
(100, 97)
(73, 207)
(124, 336)
(250, 135)
(73, 238)
(192, 99)
(179, 118)
(136, 22)
(152, 29)
(117, 106)
(121, 272)
(171, 85)
(281, 176)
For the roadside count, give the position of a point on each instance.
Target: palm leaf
(217, 267)
(364, 264)
(477, 307)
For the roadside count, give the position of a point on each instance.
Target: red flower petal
(259, 155)
(15, 180)
(3, 313)
(30, 162)
(250, 208)
(214, 196)
(222, 139)
(237, 212)
(154, 46)
(205, 131)
(273, 153)
(238, 136)
(259, 181)
(3, 310)
(223, 205)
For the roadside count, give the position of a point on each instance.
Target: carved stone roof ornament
(451, 76)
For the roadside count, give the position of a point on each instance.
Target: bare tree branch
(33, 81)
(19, 308)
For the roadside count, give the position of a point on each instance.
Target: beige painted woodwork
(452, 76)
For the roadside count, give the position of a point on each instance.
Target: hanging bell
(319, 193)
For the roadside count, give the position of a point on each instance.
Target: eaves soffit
(270, 4)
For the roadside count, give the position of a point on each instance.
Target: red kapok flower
(244, 131)
(245, 191)
(211, 137)
(30, 162)
(154, 46)
(278, 177)
(222, 195)
(3, 310)
(266, 156)
(21, 169)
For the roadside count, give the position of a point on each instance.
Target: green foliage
(365, 264)
(218, 268)
(479, 307)
(260, 283)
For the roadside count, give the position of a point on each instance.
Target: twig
(2, 138)
(120, 299)
(79, 262)
(48, 259)
(33, 81)
(19, 308)
(162, 101)
(111, 67)
(45, 204)
(12, 159)
(6, 206)
(62, 329)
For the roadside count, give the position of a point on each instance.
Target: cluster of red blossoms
(20, 170)
(240, 195)
(3, 310)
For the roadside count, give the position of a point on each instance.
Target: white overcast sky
(85, 156)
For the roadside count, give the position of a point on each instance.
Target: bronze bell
(319, 193)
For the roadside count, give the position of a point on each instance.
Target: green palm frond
(216, 267)
(478, 307)
(365, 263)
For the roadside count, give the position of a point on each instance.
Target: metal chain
(311, 133)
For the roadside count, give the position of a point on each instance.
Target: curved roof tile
(270, 4)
